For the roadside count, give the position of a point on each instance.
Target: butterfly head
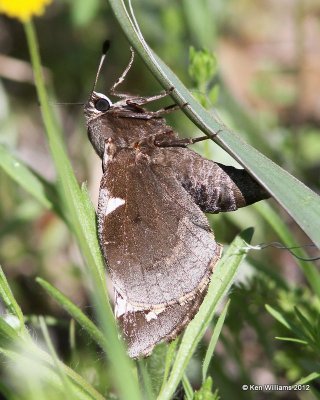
(97, 105)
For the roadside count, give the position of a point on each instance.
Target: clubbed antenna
(105, 48)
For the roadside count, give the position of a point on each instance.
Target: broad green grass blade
(82, 220)
(37, 186)
(221, 281)
(75, 312)
(299, 201)
(213, 341)
(9, 300)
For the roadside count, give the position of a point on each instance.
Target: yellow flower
(23, 9)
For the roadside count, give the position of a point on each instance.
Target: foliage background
(268, 75)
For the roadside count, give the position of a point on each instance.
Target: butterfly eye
(102, 105)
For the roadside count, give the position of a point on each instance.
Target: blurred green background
(266, 88)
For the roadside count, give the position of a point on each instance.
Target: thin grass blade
(187, 388)
(75, 312)
(309, 378)
(213, 341)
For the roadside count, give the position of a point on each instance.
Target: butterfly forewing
(157, 242)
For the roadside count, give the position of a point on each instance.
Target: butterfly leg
(167, 139)
(144, 100)
(174, 142)
(206, 137)
(140, 113)
(135, 99)
(166, 110)
(121, 79)
(160, 113)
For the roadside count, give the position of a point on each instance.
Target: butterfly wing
(143, 329)
(212, 186)
(157, 241)
(158, 244)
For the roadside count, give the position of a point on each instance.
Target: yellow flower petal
(23, 9)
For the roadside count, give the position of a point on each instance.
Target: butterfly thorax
(125, 125)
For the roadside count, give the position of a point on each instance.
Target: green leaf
(205, 392)
(221, 281)
(202, 66)
(279, 317)
(288, 339)
(213, 341)
(300, 202)
(301, 331)
(307, 327)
